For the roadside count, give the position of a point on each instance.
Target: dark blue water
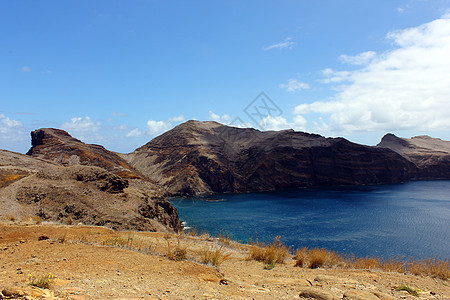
(411, 219)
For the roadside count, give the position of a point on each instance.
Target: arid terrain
(51, 199)
(87, 262)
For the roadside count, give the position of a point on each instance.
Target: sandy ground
(85, 268)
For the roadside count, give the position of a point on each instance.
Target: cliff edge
(430, 155)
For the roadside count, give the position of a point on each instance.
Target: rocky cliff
(58, 146)
(206, 157)
(430, 155)
(31, 187)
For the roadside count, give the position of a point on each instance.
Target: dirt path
(83, 268)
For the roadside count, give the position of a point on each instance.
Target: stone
(12, 292)
(317, 293)
(359, 295)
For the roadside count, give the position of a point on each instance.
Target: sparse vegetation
(43, 281)
(176, 252)
(319, 257)
(213, 256)
(129, 241)
(273, 253)
(408, 289)
(269, 266)
(316, 258)
(225, 239)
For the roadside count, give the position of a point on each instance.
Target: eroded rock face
(430, 155)
(204, 157)
(87, 194)
(58, 146)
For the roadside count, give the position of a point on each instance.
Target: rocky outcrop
(207, 157)
(431, 156)
(58, 146)
(80, 194)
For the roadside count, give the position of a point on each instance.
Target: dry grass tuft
(396, 264)
(129, 241)
(316, 258)
(225, 239)
(213, 256)
(367, 263)
(301, 256)
(319, 257)
(433, 267)
(41, 281)
(176, 252)
(273, 253)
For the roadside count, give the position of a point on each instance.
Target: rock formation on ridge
(58, 146)
(430, 155)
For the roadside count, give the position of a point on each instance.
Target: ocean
(410, 219)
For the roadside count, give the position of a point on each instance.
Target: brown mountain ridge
(207, 157)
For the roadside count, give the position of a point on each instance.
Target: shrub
(225, 239)
(273, 253)
(432, 266)
(214, 257)
(317, 257)
(176, 252)
(408, 289)
(41, 281)
(367, 263)
(301, 256)
(396, 264)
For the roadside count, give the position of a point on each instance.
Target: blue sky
(118, 73)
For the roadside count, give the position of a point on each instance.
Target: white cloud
(83, 128)
(157, 127)
(405, 88)
(12, 134)
(294, 85)
(280, 123)
(335, 76)
(177, 119)
(121, 127)
(360, 59)
(286, 44)
(8, 124)
(134, 133)
(25, 69)
(223, 119)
